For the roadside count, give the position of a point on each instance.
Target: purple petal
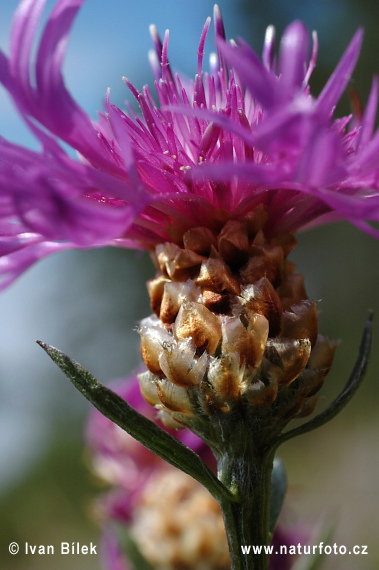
(293, 55)
(368, 121)
(319, 159)
(253, 74)
(14, 264)
(255, 174)
(235, 139)
(312, 63)
(53, 46)
(220, 34)
(200, 51)
(339, 79)
(213, 117)
(26, 20)
(71, 124)
(111, 555)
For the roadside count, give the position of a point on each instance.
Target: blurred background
(88, 303)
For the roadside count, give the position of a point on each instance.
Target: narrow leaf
(142, 429)
(347, 393)
(131, 549)
(278, 491)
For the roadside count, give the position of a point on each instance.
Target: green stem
(247, 519)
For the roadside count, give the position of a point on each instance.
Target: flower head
(246, 134)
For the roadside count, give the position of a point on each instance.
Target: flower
(174, 521)
(214, 180)
(247, 133)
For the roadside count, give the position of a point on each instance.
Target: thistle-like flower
(214, 180)
(245, 136)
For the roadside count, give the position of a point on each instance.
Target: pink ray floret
(248, 132)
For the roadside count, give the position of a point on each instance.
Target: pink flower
(249, 132)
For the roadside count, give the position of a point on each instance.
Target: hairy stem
(247, 519)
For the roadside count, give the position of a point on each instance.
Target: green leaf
(278, 491)
(142, 429)
(131, 549)
(347, 393)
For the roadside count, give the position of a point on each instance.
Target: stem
(247, 519)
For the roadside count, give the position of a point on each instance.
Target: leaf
(278, 491)
(347, 393)
(142, 429)
(131, 549)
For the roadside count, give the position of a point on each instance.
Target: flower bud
(235, 334)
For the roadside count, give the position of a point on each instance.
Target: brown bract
(232, 328)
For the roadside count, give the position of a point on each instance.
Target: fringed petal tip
(247, 130)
